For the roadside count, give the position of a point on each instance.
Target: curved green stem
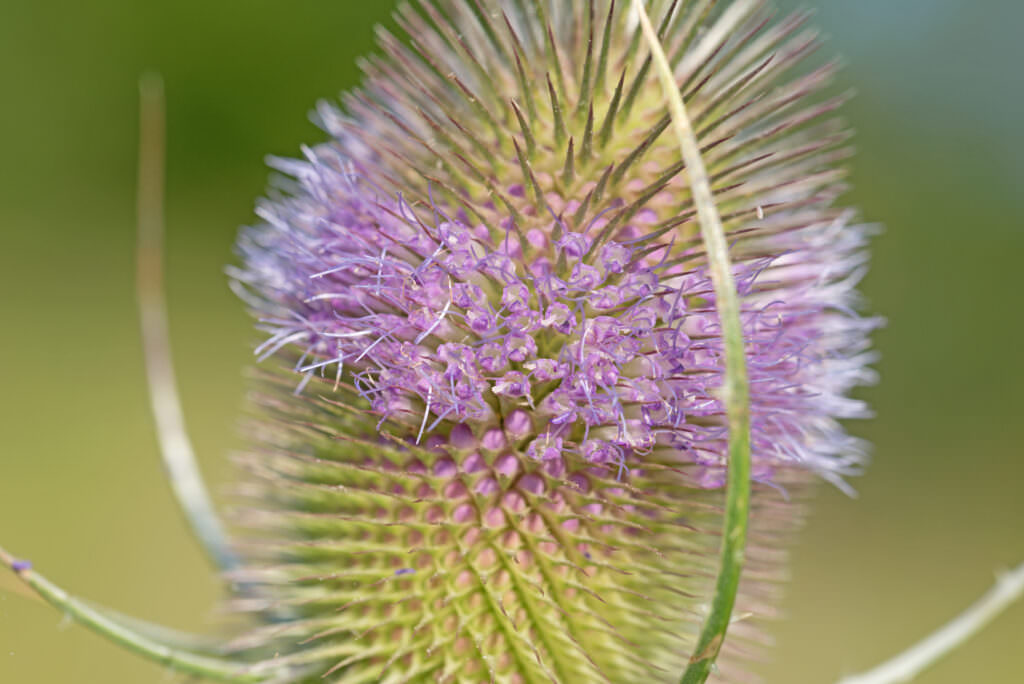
(906, 666)
(736, 392)
(132, 639)
(175, 447)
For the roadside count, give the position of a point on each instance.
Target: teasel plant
(558, 329)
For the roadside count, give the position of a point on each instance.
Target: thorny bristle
(501, 456)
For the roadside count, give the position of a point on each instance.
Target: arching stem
(130, 638)
(175, 446)
(736, 392)
(907, 665)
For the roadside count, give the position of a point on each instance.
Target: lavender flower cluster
(613, 346)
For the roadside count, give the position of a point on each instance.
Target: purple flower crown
(603, 348)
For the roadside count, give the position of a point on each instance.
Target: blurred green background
(82, 494)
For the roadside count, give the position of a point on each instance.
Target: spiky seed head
(494, 447)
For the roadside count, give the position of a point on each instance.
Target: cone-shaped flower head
(497, 446)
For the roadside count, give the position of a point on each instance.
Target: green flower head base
(494, 444)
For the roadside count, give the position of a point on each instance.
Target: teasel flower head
(490, 442)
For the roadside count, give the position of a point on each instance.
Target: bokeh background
(941, 163)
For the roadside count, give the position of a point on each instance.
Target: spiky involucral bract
(503, 457)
